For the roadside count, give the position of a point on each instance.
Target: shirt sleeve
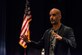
(69, 38)
(40, 43)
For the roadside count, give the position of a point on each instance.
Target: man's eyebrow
(52, 14)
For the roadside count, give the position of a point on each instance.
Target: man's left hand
(57, 36)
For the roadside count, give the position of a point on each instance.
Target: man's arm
(40, 43)
(68, 38)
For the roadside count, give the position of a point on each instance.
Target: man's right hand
(25, 38)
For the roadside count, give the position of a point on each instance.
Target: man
(58, 39)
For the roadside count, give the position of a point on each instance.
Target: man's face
(54, 17)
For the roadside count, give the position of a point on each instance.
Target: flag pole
(26, 9)
(25, 32)
(24, 51)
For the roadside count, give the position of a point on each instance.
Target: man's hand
(56, 35)
(25, 38)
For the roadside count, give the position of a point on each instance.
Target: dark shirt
(62, 47)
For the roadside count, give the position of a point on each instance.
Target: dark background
(2, 27)
(71, 16)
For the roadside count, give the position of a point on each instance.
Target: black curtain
(2, 27)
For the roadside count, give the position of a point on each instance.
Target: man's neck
(56, 27)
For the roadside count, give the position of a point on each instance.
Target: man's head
(55, 16)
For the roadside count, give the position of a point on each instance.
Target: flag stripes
(25, 31)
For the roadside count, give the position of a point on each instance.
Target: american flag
(25, 25)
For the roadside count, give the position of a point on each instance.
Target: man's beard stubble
(54, 22)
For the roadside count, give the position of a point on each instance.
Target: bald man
(58, 39)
